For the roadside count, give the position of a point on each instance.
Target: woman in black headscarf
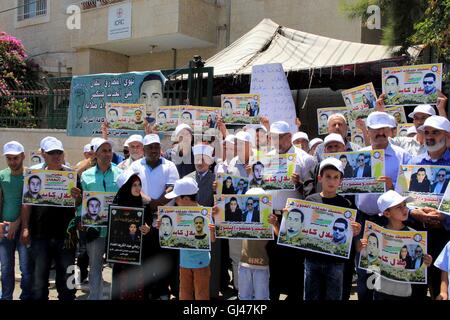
(228, 186)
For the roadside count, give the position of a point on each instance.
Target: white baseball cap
(315, 141)
(423, 108)
(98, 142)
(437, 122)
(390, 199)
(332, 162)
(53, 144)
(44, 140)
(13, 148)
(151, 138)
(299, 135)
(124, 177)
(134, 138)
(378, 120)
(203, 149)
(333, 137)
(181, 127)
(183, 187)
(280, 127)
(411, 130)
(256, 127)
(255, 191)
(230, 138)
(87, 147)
(244, 136)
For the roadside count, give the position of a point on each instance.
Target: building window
(31, 8)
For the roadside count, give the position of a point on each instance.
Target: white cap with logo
(315, 141)
(411, 130)
(203, 149)
(183, 187)
(52, 145)
(437, 122)
(300, 135)
(13, 148)
(423, 108)
(150, 139)
(378, 120)
(280, 127)
(44, 140)
(87, 147)
(390, 199)
(244, 136)
(134, 138)
(332, 162)
(333, 137)
(98, 142)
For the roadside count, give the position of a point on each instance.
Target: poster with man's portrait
(241, 108)
(36, 158)
(273, 172)
(89, 95)
(361, 171)
(324, 113)
(167, 118)
(124, 243)
(125, 117)
(229, 184)
(185, 228)
(398, 112)
(317, 227)
(361, 97)
(244, 217)
(444, 206)
(49, 188)
(402, 129)
(94, 208)
(412, 85)
(424, 183)
(357, 137)
(395, 255)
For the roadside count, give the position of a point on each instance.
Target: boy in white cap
(321, 268)
(393, 206)
(11, 186)
(313, 144)
(301, 140)
(195, 269)
(136, 149)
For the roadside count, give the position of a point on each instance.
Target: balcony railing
(92, 4)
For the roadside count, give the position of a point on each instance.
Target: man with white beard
(136, 147)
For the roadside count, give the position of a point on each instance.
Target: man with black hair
(340, 227)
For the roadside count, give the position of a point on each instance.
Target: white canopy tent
(269, 42)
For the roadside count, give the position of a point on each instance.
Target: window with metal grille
(31, 8)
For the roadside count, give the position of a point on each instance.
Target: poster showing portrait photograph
(125, 117)
(89, 95)
(167, 118)
(317, 227)
(274, 172)
(49, 188)
(94, 208)
(361, 171)
(357, 137)
(395, 255)
(205, 118)
(124, 243)
(412, 85)
(244, 217)
(229, 184)
(185, 228)
(241, 108)
(361, 97)
(402, 129)
(36, 158)
(444, 206)
(425, 184)
(398, 112)
(324, 113)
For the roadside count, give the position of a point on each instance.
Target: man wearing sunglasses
(251, 214)
(429, 86)
(441, 183)
(418, 258)
(362, 170)
(340, 227)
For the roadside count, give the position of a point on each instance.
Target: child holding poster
(393, 206)
(195, 271)
(321, 268)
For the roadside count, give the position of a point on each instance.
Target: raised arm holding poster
(124, 243)
(411, 85)
(185, 228)
(94, 208)
(241, 108)
(361, 170)
(317, 227)
(393, 254)
(274, 172)
(244, 217)
(324, 113)
(125, 117)
(89, 95)
(270, 82)
(424, 183)
(49, 188)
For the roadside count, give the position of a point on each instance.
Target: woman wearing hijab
(228, 186)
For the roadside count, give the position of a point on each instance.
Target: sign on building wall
(119, 22)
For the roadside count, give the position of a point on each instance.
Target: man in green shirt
(11, 185)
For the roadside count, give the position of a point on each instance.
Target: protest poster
(398, 112)
(357, 137)
(124, 244)
(444, 206)
(361, 170)
(36, 158)
(324, 113)
(402, 129)
(424, 183)
(317, 227)
(205, 117)
(229, 184)
(94, 208)
(277, 104)
(361, 97)
(395, 255)
(412, 85)
(244, 217)
(49, 188)
(240, 108)
(167, 118)
(89, 95)
(126, 117)
(274, 172)
(185, 228)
